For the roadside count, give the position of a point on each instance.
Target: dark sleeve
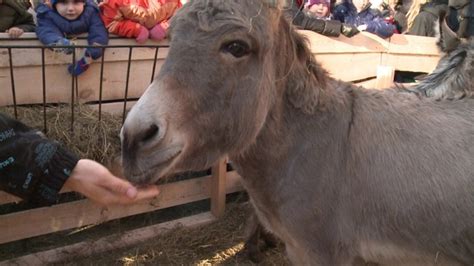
(31, 166)
(27, 23)
(97, 34)
(303, 21)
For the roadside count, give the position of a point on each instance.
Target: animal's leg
(270, 239)
(252, 243)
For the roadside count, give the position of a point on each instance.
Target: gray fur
(336, 171)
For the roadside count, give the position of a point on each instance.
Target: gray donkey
(335, 171)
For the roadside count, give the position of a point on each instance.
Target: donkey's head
(226, 69)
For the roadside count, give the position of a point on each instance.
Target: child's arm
(125, 27)
(47, 32)
(380, 27)
(27, 24)
(97, 35)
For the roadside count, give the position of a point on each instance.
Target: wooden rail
(18, 225)
(349, 59)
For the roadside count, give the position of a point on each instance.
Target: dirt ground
(218, 243)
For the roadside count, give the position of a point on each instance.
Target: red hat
(315, 2)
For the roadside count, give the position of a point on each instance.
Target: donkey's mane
(306, 81)
(452, 79)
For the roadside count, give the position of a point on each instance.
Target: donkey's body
(363, 180)
(335, 171)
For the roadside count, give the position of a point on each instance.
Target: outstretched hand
(95, 182)
(14, 32)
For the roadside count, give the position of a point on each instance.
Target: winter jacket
(125, 17)
(347, 13)
(52, 27)
(333, 28)
(31, 166)
(13, 13)
(425, 21)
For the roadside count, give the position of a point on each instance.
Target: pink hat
(314, 2)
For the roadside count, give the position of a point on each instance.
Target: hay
(90, 138)
(220, 242)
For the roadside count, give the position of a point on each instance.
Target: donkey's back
(412, 161)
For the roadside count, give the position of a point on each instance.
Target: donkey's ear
(447, 39)
(306, 77)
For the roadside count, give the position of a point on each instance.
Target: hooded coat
(347, 13)
(126, 17)
(52, 27)
(425, 21)
(14, 13)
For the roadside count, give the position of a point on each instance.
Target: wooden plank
(112, 242)
(218, 188)
(58, 83)
(28, 57)
(16, 226)
(369, 84)
(6, 198)
(385, 77)
(350, 67)
(360, 43)
(414, 63)
(32, 56)
(412, 44)
(113, 108)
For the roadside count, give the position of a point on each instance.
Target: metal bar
(12, 78)
(37, 46)
(101, 83)
(43, 73)
(73, 78)
(154, 65)
(129, 63)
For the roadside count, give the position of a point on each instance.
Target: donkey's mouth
(157, 165)
(165, 158)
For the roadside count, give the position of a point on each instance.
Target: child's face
(359, 4)
(320, 10)
(70, 9)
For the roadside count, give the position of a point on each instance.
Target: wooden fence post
(385, 77)
(218, 188)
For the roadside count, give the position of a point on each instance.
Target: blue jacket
(347, 13)
(52, 27)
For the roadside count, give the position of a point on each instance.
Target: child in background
(59, 20)
(358, 13)
(318, 9)
(15, 18)
(139, 19)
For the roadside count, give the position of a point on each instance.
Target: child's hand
(80, 66)
(63, 42)
(362, 27)
(96, 183)
(348, 30)
(158, 32)
(15, 32)
(143, 35)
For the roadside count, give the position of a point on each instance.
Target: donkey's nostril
(150, 133)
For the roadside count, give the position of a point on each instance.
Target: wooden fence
(364, 59)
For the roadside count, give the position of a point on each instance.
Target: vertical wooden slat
(385, 77)
(218, 192)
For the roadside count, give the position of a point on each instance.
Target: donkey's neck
(291, 136)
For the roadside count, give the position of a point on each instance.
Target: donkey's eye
(236, 48)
